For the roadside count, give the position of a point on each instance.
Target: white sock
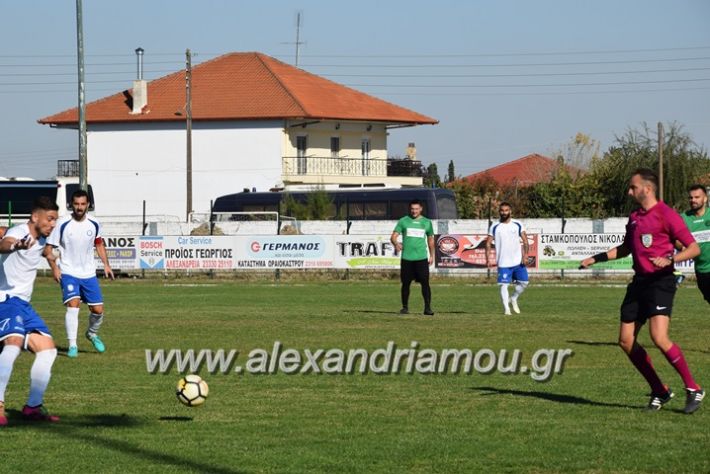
(71, 322)
(40, 374)
(519, 288)
(504, 296)
(95, 321)
(7, 360)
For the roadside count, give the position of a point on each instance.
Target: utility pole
(298, 35)
(660, 160)
(188, 129)
(83, 182)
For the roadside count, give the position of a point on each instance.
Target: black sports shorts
(648, 295)
(417, 270)
(704, 284)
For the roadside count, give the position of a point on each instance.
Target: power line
(452, 86)
(459, 94)
(474, 55)
(499, 94)
(542, 74)
(575, 63)
(43, 74)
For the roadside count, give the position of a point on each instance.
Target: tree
(473, 198)
(684, 163)
(430, 176)
(317, 206)
(451, 175)
(580, 152)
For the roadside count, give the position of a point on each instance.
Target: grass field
(117, 417)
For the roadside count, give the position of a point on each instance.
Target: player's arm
(3, 229)
(9, 243)
(101, 251)
(52, 261)
(526, 247)
(612, 254)
(691, 251)
(489, 243)
(395, 242)
(430, 242)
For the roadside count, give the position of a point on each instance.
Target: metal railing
(337, 166)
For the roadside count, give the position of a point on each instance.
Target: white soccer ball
(192, 390)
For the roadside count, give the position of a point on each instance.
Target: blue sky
(504, 78)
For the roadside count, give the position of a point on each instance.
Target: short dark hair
(417, 202)
(504, 203)
(80, 193)
(647, 174)
(44, 203)
(696, 187)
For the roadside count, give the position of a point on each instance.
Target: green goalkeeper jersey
(415, 233)
(700, 228)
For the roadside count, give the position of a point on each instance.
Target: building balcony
(337, 167)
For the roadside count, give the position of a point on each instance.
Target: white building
(257, 123)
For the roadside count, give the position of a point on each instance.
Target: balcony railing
(348, 167)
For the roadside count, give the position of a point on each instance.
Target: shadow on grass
(372, 311)
(71, 427)
(62, 351)
(551, 397)
(593, 343)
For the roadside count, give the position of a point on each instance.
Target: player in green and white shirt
(697, 218)
(417, 250)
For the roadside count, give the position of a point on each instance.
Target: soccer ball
(192, 390)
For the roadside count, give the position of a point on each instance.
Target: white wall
(461, 226)
(128, 164)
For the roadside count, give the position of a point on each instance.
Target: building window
(334, 147)
(301, 160)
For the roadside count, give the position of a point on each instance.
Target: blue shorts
(511, 274)
(18, 318)
(85, 288)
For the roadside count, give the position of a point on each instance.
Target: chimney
(411, 151)
(140, 86)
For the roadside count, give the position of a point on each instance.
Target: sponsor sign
(565, 251)
(209, 252)
(283, 251)
(121, 253)
(151, 252)
(365, 251)
(469, 251)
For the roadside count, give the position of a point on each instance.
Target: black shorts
(704, 284)
(648, 296)
(417, 270)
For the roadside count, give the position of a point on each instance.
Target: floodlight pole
(83, 182)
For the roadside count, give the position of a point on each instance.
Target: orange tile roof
(245, 86)
(525, 171)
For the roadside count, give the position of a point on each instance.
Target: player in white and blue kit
(21, 251)
(511, 245)
(75, 237)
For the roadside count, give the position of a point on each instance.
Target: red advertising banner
(469, 251)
